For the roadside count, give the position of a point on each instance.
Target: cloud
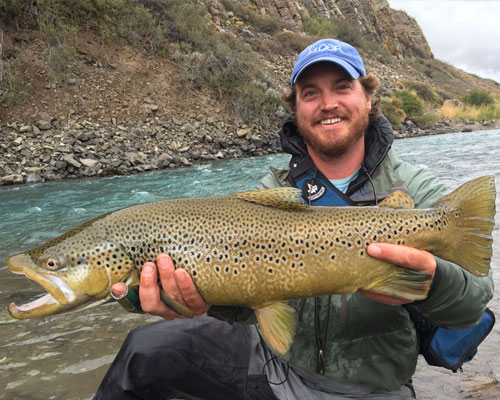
(465, 34)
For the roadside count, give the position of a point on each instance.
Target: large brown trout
(259, 248)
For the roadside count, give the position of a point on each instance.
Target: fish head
(75, 270)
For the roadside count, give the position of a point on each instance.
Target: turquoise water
(51, 358)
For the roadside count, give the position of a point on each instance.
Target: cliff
(179, 82)
(397, 31)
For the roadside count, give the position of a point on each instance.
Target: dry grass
(472, 113)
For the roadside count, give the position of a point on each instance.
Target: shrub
(320, 27)
(478, 98)
(60, 35)
(426, 120)
(11, 81)
(425, 92)
(392, 110)
(264, 23)
(286, 43)
(337, 28)
(233, 75)
(412, 106)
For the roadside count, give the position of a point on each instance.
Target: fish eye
(52, 263)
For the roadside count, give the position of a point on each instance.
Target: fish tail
(472, 205)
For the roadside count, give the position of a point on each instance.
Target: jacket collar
(378, 140)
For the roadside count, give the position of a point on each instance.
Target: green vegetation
(345, 30)
(427, 119)
(411, 104)
(11, 81)
(425, 92)
(478, 98)
(286, 43)
(392, 108)
(418, 102)
(178, 29)
(338, 28)
(228, 66)
(263, 23)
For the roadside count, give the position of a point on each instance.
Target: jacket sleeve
(457, 299)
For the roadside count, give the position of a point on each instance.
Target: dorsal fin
(397, 199)
(282, 197)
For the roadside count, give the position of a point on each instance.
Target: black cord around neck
(371, 183)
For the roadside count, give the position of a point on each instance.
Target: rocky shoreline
(51, 150)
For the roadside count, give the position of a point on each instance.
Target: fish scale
(259, 248)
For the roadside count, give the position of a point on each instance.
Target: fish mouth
(59, 297)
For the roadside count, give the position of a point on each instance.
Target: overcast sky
(464, 33)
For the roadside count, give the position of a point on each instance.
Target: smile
(330, 121)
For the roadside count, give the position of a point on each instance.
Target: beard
(338, 147)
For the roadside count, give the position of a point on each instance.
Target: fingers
(407, 257)
(176, 283)
(119, 290)
(149, 292)
(190, 294)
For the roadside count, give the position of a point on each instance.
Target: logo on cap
(324, 47)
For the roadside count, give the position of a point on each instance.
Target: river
(64, 357)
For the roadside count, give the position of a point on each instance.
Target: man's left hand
(407, 257)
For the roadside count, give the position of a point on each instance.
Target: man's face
(332, 109)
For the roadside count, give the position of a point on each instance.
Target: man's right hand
(177, 283)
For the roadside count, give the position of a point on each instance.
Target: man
(361, 345)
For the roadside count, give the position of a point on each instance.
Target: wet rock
(12, 179)
(33, 178)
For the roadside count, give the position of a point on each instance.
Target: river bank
(51, 149)
(65, 357)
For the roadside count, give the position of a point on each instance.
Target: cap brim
(348, 67)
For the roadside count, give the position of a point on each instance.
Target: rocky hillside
(76, 104)
(395, 29)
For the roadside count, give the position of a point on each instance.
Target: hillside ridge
(122, 106)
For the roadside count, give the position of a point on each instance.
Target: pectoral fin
(397, 200)
(277, 324)
(403, 283)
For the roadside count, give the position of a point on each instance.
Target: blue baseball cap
(333, 51)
